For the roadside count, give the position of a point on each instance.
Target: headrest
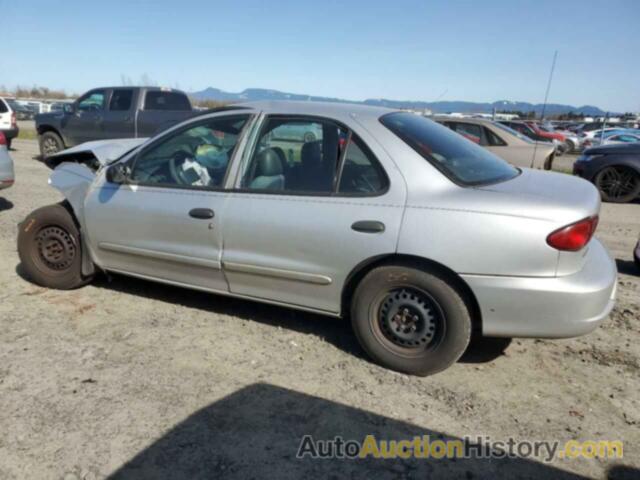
(311, 153)
(269, 163)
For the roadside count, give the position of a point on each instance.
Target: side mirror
(69, 108)
(118, 173)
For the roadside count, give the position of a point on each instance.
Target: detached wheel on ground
(50, 143)
(618, 184)
(50, 249)
(410, 320)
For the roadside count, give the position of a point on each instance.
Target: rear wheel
(50, 249)
(50, 143)
(410, 320)
(618, 184)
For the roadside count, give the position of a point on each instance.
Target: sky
(479, 51)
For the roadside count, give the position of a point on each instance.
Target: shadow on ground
(257, 431)
(628, 267)
(333, 330)
(5, 204)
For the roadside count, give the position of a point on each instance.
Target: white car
(8, 124)
(617, 139)
(6, 164)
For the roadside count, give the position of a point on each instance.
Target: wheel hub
(56, 248)
(409, 318)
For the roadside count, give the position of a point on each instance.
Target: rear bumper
(552, 307)
(10, 133)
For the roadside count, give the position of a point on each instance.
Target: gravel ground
(131, 379)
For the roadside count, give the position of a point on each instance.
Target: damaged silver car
(415, 233)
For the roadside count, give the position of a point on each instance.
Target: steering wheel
(177, 173)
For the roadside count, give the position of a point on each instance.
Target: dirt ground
(131, 379)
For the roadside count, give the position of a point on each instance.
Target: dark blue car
(614, 169)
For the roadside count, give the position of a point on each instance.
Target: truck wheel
(50, 249)
(410, 320)
(50, 143)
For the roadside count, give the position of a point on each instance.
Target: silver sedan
(417, 235)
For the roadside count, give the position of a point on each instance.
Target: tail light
(14, 122)
(3, 139)
(575, 236)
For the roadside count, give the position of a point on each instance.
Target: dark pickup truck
(111, 112)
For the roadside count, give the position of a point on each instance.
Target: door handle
(201, 213)
(368, 226)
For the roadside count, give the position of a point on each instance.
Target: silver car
(416, 234)
(6, 164)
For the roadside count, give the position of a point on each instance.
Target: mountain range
(445, 106)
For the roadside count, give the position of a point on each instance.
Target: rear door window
(361, 173)
(121, 100)
(161, 100)
(3, 106)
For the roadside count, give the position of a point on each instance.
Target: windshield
(513, 132)
(459, 159)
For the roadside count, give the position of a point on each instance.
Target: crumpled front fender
(73, 180)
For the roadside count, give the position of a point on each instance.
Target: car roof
(328, 109)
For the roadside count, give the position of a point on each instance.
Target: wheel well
(412, 261)
(48, 128)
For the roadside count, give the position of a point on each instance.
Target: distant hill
(256, 94)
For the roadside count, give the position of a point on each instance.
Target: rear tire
(50, 143)
(618, 184)
(50, 249)
(410, 320)
(9, 143)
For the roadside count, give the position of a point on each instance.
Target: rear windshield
(159, 100)
(458, 158)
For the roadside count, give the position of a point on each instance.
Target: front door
(85, 123)
(312, 202)
(165, 223)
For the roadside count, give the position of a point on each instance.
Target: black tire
(390, 314)
(9, 143)
(50, 249)
(618, 184)
(636, 260)
(50, 143)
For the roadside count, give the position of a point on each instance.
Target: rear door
(312, 201)
(119, 118)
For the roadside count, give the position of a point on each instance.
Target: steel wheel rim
(50, 146)
(409, 321)
(617, 183)
(56, 248)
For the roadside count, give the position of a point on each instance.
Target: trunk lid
(558, 197)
